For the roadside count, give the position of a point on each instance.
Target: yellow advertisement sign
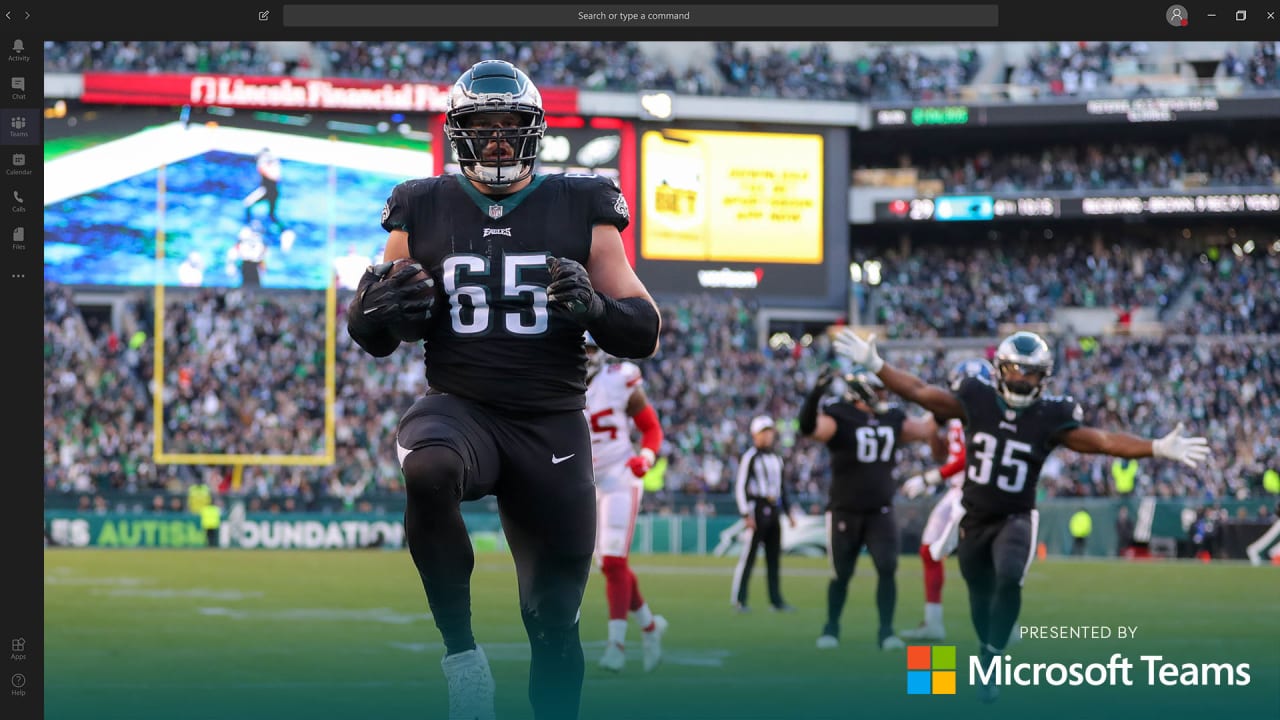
(731, 196)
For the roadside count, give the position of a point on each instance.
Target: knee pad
(433, 471)
(546, 622)
(614, 568)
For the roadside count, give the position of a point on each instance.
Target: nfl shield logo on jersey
(495, 211)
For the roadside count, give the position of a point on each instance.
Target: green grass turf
(327, 634)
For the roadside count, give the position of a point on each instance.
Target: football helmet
(973, 367)
(864, 386)
(595, 356)
(1027, 354)
(495, 86)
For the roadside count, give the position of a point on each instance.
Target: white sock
(618, 632)
(643, 616)
(933, 614)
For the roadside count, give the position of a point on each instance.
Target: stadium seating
(98, 432)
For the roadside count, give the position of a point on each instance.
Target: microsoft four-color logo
(931, 669)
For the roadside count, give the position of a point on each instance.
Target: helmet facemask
(497, 156)
(866, 388)
(495, 151)
(1024, 356)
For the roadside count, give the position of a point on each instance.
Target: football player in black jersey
(1011, 429)
(526, 263)
(863, 433)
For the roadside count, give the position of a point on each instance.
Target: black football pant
(768, 533)
(453, 450)
(995, 555)
(847, 534)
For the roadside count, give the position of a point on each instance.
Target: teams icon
(931, 669)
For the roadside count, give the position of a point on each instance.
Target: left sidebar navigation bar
(22, 657)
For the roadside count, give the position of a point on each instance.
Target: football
(416, 328)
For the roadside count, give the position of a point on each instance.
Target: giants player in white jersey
(941, 532)
(615, 393)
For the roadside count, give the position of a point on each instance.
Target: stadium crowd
(943, 291)
(1232, 294)
(810, 72)
(255, 385)
(1074, 68)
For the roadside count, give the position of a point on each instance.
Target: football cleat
(828, 642)
(471, 689)
(987, 692)
(925, 632)
(651, 642)
(614, 657)
(892, 643)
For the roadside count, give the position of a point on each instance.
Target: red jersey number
(600, 423)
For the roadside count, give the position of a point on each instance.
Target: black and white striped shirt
(760, 481)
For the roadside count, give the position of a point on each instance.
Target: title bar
(589, 15)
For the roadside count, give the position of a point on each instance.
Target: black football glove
(385, 298)
(570, 289)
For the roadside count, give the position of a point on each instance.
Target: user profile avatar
(1176, 15)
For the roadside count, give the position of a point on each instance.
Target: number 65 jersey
(493, 339)
(1007, 447)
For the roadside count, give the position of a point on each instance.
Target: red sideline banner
(286, 93)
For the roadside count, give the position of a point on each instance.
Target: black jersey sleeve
(1064, 414)
(835, 410)
(968, 391)
(405, 198)
(606, 205)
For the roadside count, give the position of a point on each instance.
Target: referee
(762, 500)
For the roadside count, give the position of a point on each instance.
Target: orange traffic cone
(1042, 552)
(1203, 556)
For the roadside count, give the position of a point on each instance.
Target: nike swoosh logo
(557, 460)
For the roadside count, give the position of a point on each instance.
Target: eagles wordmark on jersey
(1007, 447)
(492, 266)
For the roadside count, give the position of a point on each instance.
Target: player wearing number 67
(525, 263)
(1011, 429)
(863, 433)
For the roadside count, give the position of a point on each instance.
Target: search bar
(621, 17)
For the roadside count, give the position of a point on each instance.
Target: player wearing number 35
(522, 265)
(1011, 428)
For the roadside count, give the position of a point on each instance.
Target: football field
(151, 634)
